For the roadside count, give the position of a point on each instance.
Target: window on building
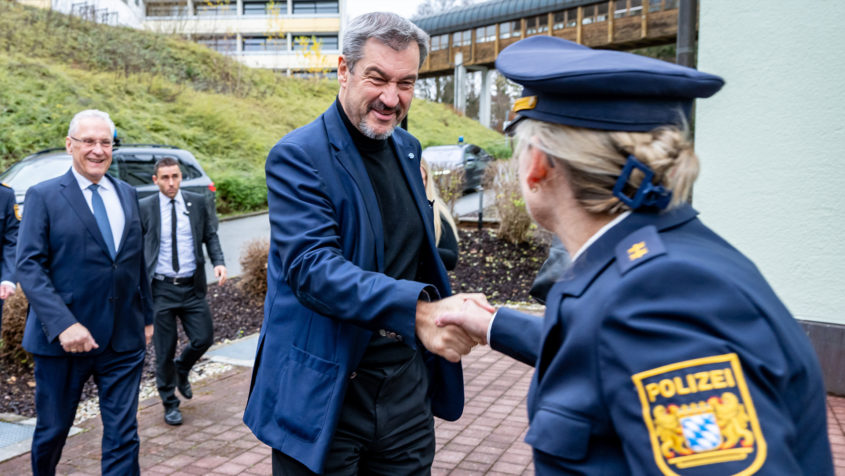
(265, 7)
(621, 9)
(313, 7)
(511, 29)
(485, 34)
(531, 26)
(215, 8)
(601, 12)
(670, 4)
(543, 23)
(221, 44)
(169, 9)
(302, 42)
(655, 5)
(439, 42)
(462, 38)
(636, 8)
(589, 13)
(264, 44)
(559, 20)
(572, 18)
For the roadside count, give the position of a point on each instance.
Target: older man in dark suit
(176, 224)
(80, 263)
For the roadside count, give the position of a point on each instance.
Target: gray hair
(388, 28)
(87, 114)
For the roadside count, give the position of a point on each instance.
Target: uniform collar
(601, 252)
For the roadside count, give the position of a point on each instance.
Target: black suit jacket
(203, 217)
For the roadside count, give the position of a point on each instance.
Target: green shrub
(237, 194)
(514, 223)
(450, 184)
(254, 269)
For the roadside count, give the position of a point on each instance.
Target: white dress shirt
(184, 239)
(108, 192)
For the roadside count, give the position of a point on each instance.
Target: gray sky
(406, 8)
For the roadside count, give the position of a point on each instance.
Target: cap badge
(523, 103)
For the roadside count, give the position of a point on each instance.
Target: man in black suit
(176, 224)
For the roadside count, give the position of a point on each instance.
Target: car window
(137, 168)
(189, 171)
(27, 173)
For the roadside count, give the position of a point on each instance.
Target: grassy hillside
(162, 89)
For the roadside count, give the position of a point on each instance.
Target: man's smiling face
(91, 161)
(377, 94)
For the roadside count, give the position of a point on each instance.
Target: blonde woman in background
(446, 236)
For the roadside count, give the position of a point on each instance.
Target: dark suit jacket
(65, 269)
(9, 224)
(203, 217)
(327, 291)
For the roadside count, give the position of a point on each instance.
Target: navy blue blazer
(326, 292)
(664, 351)
(9, 224)
(68, 275)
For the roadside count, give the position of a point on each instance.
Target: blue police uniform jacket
(664, 351)
(326, 292)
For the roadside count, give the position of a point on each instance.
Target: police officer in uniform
(663, 349)
(10, 220)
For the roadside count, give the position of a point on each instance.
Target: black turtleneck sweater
(403, 229)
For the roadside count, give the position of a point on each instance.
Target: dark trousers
(178, 302)
(58, 388)
(385, 428)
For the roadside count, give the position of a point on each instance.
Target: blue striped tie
(102, 217)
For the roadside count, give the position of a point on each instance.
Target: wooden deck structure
(479, 32)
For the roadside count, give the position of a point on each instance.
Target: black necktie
(174, 249)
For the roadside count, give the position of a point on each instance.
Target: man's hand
(220, 274)
(148, 333)
(472, 318)
(448, 341)
(76, 338)
(6, 291)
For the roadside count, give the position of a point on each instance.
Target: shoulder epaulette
(638, 247)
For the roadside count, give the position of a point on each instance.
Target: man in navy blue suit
(346, 379)
(81, 264)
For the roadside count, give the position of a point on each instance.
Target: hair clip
(648, 194)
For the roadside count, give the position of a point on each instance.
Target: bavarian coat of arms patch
(700, 417)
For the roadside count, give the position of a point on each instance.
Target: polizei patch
(700, 417)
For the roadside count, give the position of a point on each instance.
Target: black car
(132, 163)
(469, 158)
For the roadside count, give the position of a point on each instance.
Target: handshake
(451, 327)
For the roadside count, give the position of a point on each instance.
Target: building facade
(295, 36)
(279, 35)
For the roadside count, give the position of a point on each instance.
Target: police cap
(567, 83)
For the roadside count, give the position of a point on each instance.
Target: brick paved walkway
(214, 441)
